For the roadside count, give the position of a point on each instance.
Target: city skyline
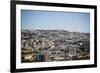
(51, 20)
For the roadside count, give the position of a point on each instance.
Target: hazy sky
(50, 20)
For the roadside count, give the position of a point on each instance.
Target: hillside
(69, 44)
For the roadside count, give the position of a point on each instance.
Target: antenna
(34, 28)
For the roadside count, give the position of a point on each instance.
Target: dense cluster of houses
(53, 45)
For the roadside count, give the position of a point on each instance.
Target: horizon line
(53, 29)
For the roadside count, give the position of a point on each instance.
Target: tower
(34, 28)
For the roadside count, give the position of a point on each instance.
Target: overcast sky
(50, 20)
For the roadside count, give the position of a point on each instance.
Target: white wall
(5, 37)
